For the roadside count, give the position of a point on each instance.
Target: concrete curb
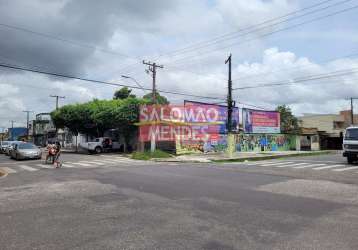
(242, 159)
(269, 157)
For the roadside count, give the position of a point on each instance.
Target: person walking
(57, 159)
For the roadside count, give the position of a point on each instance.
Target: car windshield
(5, 143)
(26, 146)
(352, 134)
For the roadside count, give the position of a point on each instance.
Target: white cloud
(145, 34)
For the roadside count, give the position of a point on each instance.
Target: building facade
(326, 129)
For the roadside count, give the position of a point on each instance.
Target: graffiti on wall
(214, 143)
(243, 143)
(268, 142)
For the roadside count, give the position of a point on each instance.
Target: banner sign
(194, 121)
(261, 122)
(222, 111)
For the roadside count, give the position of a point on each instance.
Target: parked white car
(102, 144)
(350, 144)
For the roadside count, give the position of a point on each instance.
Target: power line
(255, 28)
(184, 59)
(241, 30)
(309, 78)
(76, 43)
(295, 67)
(103, 82)
(245, 28)
(152, 68)
(57, 97)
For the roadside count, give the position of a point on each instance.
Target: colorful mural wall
(243, 143)
(265, 142)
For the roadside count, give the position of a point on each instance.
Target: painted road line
(27, 168)
(328, 167)
(344, 169)
(289, 165)
(310, 166)
(259, 162)
(45, 166)
(82, 164)
(99, 162)
(108, 162)
(118, 159)
(276, 163)
(8, 170)
(66, 165)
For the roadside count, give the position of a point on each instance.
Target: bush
(147, 155)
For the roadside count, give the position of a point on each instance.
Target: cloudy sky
(106, 39)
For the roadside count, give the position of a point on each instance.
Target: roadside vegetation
(147, 155)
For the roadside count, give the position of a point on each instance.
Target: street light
(133, 79)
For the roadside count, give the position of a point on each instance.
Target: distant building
(326, 129)
(17, 133)
(43, 129)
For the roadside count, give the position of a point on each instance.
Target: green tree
(160, 99)
(97, 116)
(123, 93)
(289, 123)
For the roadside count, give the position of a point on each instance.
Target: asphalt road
(110, 202)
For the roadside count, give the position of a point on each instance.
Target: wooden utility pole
(57, 97)
(152, 67)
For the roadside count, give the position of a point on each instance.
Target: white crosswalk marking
(67, 165)
(99, 163)
(45, 166)
(328, 167)
(82, 164)
(344, 169)
(275, 163)
(25, 167)
(289, 165)
(8, 170)
(310, 166)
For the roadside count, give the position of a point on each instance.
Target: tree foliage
(123, 93)
(160, 99)
(289, 123)
(97, 116)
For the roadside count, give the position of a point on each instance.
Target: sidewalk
(240, 156)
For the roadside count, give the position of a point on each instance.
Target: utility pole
(57, 97)
(12, 124)
(153, 68)
(230, 104)
(27, 123)
(12, 129)
(352, 115)
(229, 97)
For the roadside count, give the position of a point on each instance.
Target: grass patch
(147, 155)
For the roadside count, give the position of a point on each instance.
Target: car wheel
(350, 159)
(98, 150)
(17, 157)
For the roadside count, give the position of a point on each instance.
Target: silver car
(21, 151)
